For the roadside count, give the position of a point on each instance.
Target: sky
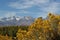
(33, 8)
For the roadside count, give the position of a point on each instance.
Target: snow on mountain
(28, 17)
(18, 18)
(26, 20)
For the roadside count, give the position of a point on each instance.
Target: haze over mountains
(16, 21)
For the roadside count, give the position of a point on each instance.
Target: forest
(40, 29)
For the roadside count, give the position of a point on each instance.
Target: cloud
(7, 13)
(13, 13)
(10, 14)
(23, 12)
(19, 5)
(22, 4)
(45, 6)
(53, 7)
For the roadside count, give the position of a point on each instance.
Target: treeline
(40, 29)
(10, 31)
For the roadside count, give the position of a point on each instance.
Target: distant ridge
(16, 21)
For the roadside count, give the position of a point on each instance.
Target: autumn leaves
(42, 29)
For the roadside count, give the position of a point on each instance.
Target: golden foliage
(5, 37)
(41, 29)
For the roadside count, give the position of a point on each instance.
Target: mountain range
(16, 21)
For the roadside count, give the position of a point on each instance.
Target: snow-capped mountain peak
(26, 20)
(28, 17)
